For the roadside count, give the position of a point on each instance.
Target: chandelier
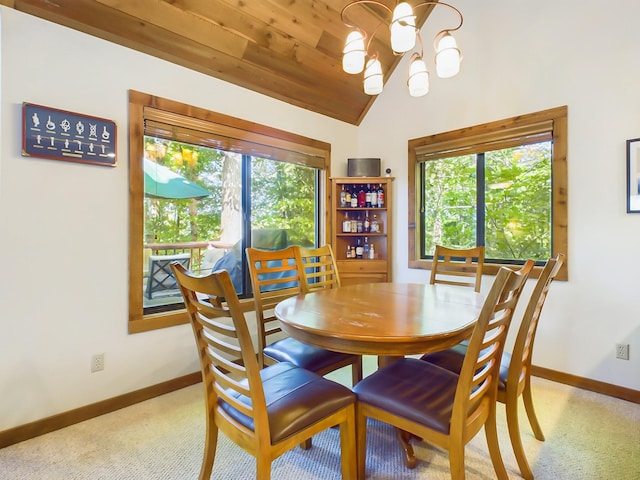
(404, 36)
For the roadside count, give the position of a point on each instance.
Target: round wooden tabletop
(389, 319)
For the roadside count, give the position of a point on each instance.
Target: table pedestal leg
(403, 436)
(385, 360)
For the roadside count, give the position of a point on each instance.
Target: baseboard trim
(65, 419)
(609, 389)
(61, 420)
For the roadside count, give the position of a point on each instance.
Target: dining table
(388, 320)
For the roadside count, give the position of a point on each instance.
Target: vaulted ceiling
(287, 49)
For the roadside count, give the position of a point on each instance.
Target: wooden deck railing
(197, 249)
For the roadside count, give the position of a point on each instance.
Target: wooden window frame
(495, 135)
(318, 152)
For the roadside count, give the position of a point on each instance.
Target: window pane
(518, 202)
(283, 204)
(450, 208)
(191, 209)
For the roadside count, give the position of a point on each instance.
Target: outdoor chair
(515, 367)
(161, 279)
(441, 407)
(266, 412)
(451, 262)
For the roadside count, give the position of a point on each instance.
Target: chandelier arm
(360, 2)
(419, 38)
(424, 4)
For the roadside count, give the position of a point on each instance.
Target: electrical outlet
(97, 362)
(622, 351)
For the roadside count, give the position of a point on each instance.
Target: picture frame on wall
(63, 135)
(633, 175)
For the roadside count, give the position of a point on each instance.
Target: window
(203, 187)
(502, 185)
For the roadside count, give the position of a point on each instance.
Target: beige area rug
(588, 436)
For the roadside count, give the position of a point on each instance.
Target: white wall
(521, 57)
(64, 226)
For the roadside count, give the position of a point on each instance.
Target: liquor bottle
(359, 248)
(354, 197)
(380, 196)
(354, 223)
(362, 197)
(353, 252)
(347, 196)
(374, 197)
(343, 198)
(359, 224)
(372, 253)
(367, 222)
(367, 196)
(348, 254)
(366, 250)
(346, 224)
(375, 225)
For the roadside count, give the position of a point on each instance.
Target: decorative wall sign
(73, 137)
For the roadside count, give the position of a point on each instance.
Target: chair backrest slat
(522, 351)
(451, 262)
(478, 384)
(230, 369)
(318, 269)
(274, 277)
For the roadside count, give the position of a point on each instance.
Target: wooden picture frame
(633, 175)
(73, 137)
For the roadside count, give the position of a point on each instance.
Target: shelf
(361, 270)
(363, 234)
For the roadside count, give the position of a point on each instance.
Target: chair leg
(361, 442)
(491, 431)
(348, 445)
(356, 371)
(456, 460)
(263, 468)
(516, 441)
(307, 444)
(210, 444)
(531, 413)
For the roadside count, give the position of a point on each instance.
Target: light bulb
(418, 78)
(373, 77)
(353, 53)
(447, 57)
(403, 28)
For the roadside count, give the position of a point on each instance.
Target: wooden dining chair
(515, 367)
(463, 263)
(444, 408)
(275, 276)
(264, 411)
(318, 268)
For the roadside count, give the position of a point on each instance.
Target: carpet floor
(588, 436)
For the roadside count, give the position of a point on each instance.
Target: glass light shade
(373, 77)
(403, 28)
(418, 78)
(353, 53)
(447, 57)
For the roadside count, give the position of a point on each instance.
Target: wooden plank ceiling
(287, 49)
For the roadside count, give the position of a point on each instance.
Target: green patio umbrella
(162, 182)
